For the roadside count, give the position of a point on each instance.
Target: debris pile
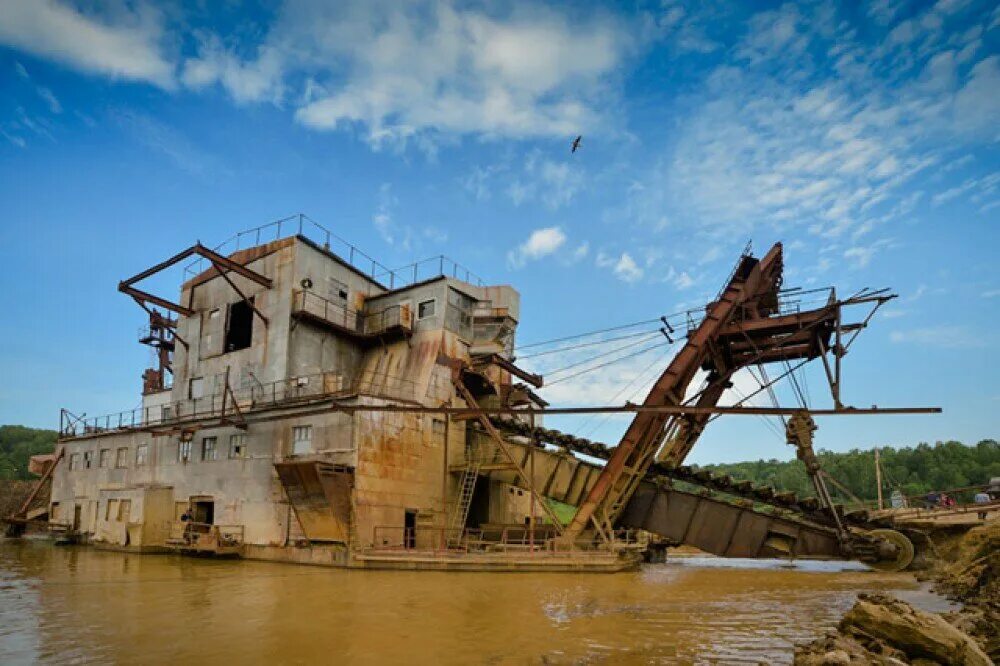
(881, 629)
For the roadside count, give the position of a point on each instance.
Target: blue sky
(862, 135)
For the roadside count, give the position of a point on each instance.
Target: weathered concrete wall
(400, 460)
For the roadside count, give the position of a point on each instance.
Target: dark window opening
(203, 511)
(239, 328)
(426, 309)
(410, 529)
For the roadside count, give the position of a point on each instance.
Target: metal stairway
(467, 487)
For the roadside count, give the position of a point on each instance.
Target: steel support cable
(584, 344)
(773, 428)
(684, 318)
(603, 354)
(604, 418)
(607, 363)
(799, 395)
(770, 383)
(765, 383)
(587, 335)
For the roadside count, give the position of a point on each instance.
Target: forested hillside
(914, 470)
(17, 444)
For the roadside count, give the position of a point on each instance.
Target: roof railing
(301, 224)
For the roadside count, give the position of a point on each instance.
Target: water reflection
(71, 604)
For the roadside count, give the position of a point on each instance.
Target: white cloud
(50, 99)
(683, 281)
(383, 221)
(950, 337)
(125, 43)
(541, 243)
(624, 266)
(253, 81)
(394, 71)
(776, 139)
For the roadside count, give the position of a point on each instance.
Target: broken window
(208, 448)
(302, 440)
(88, 459)
(237, 446)
(337, 291)
(104, 458)
(239, 326)
(74, 461)
(211, 333)
(184, 452)
(141, 454)
(121, 458)
(426, 309)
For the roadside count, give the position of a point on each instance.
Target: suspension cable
(583, 344)
(607, 363)
(591, 333)
(602, 355)
(603, 418)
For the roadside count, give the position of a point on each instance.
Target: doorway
(203, 511)
(410, 529)
(77, 517)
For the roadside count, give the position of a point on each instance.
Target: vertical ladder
(466, 489)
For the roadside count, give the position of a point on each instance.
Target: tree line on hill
(18, 444)
(915, 471)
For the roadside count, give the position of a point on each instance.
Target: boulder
(920, 635)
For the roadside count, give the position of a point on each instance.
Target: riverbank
(883, 629)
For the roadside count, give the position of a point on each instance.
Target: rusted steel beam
(180, 256)
(243, 296)
(535, 380)
(779, 324)
(146, 297)
(752, 290)
(509, 453)
(23, 511)
(230, 265)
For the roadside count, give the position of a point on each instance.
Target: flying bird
(576, 144)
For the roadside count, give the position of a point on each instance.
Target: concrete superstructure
(254, 443)
(324, 413)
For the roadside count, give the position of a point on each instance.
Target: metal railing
(205, 535)
(362, 323)
(303, 225)
(255, 396)
(496, 539)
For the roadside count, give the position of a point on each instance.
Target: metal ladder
(466, 489)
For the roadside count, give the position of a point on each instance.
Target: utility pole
(878, 479)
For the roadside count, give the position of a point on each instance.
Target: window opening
(184, 452)
(208, 448)
(239, 327)
(426, 309)
(301, 440)
(121, 458)
(237, 446)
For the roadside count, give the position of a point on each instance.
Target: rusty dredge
(312, 406)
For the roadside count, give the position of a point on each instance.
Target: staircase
(467, 488)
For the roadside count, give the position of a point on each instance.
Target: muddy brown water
(72, 604)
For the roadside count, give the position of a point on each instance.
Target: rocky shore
(881, 629)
